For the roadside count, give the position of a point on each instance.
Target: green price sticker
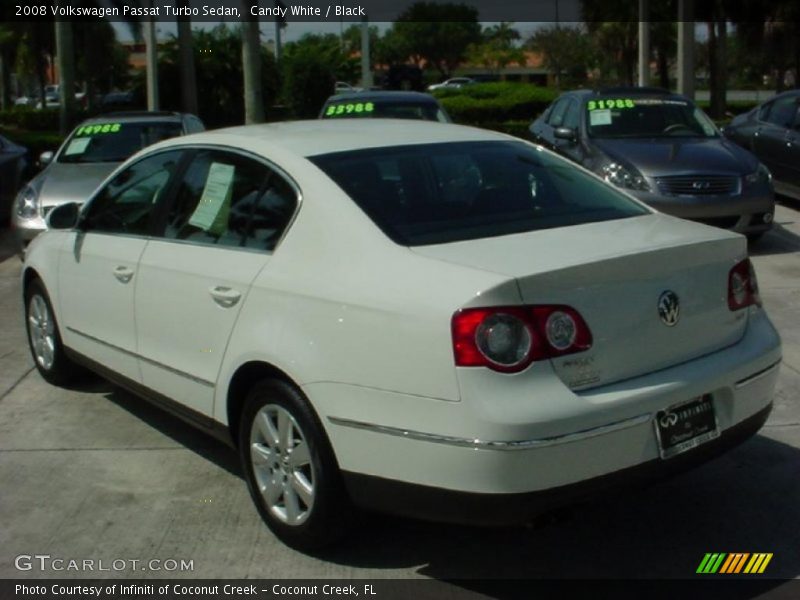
(337, 110)
(609, 103)
(98, 129)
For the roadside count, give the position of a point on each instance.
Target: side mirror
(45, 158)
(565, 133)
(64, 216)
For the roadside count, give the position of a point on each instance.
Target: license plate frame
(684, 426)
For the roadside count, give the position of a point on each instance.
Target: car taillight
(743, 286)
(509, 338)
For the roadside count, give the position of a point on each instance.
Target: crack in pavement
(16, 383)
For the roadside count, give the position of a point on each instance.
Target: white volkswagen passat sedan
(421, 318)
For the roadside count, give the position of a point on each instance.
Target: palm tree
(251, 68)
(186, 57)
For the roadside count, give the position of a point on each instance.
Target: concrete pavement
(94, 473)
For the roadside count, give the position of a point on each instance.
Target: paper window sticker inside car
(600, 117)
(212, 211)
(77, 146)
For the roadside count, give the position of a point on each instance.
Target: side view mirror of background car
(64, 216)
(45, 158)
(565, 133)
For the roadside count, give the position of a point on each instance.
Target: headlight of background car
(761, 175)
(625, 178)
(27, 205)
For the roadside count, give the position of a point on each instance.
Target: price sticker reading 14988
(606, 104)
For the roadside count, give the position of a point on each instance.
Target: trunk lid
(614, 273)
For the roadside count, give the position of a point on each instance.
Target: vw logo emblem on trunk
(669, 308)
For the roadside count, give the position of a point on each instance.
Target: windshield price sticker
(351, 107)
(99, 128)
(607, 104)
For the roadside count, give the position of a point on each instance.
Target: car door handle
(123, 274)
(224, 296)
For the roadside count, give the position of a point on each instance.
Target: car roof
(325, 136)
(384, 96)
(135, 116)
(651, 92)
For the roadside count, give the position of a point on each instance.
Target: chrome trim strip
(756, 376)
(495, 445)
(143, 358)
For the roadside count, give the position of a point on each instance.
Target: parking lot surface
(94, 473)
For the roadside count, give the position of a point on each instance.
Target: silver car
(90, 153)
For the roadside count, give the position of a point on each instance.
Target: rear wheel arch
(246, 376)
(28, 276)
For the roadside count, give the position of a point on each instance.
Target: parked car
(89, 154)
(435, 321)
(383, 104)
(452, 83)
(772, 132)
(13, 162)
(342, 87)
(662, 149)
(117, 100)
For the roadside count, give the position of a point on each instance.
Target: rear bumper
(530, 439)
(744, 213)
(436, 504)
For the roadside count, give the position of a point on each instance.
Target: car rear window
(438, 193)
(114, 141)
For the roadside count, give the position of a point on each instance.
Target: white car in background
(454, 83)
(421, 318)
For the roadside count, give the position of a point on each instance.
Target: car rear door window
(127, 203)
(230, 200)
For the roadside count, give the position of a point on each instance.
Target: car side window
(556, 116)
(226, 199)
(782, 112)
(194, 125)
(126, 204)
(572, 115)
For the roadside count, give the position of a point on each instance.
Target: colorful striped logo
(735, 562)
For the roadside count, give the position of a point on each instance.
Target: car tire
(290, 468)
(44, 338)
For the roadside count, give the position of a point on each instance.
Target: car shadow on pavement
(184, 434)
(779, 240)
(746, 501)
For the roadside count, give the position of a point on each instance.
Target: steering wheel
(677, 127)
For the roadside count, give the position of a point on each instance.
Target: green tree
(9, 41)
(440, 33)
(310, 67)
(565, 51)
(217, 55)
(497, 48)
